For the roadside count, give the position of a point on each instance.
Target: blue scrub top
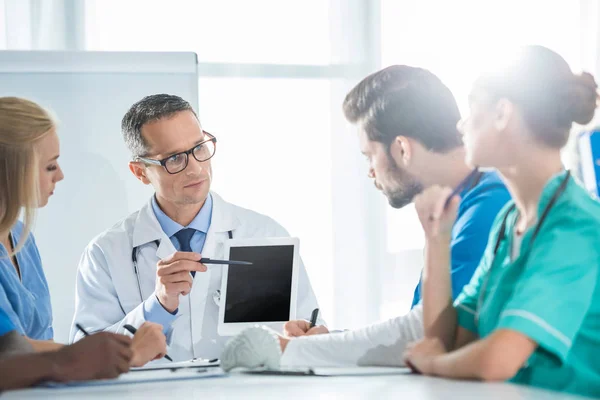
(479, 206)
(26, 300)
(5, 324)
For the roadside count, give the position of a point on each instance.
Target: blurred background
(272, 78)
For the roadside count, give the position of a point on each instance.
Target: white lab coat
(107, 294)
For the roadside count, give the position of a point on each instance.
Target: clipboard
(162, 365)
(135, 377)
(330, 371)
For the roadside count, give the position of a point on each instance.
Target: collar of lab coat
(147, 229)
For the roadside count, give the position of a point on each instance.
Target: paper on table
(359, 371)
(332, 371)
(148, 376)
(195, 363)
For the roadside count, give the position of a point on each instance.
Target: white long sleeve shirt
(380, 344)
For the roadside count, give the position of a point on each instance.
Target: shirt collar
(15, 236)
(473, 182)
(549, 190)
(201, 221)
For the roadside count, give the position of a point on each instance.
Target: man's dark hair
(405, 101)
(149, 109)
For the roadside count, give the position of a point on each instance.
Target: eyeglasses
(176, 163)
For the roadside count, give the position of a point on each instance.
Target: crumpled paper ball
(254, 347)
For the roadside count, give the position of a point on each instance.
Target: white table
(398, 387)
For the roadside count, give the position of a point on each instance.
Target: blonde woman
(531, 313)
(29, 172)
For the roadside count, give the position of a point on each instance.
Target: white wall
(89, 93)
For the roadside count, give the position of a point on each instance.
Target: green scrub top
(549, 293)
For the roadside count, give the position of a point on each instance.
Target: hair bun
(586, 79)
(581, 99)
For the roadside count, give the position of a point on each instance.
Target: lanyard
(502, 235)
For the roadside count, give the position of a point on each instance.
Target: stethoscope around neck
(502, 235)
(134, 260)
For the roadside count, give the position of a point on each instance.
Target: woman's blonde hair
(22, 124)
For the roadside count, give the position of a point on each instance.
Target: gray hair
(149, 109)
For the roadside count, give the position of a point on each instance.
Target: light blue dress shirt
(26, 299)
(153, 310)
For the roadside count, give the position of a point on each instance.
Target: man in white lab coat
(145, 268)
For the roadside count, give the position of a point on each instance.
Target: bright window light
(458, 39)
(273, 157)
(258, 31)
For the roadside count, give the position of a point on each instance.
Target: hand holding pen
(303, 327)
(437, 207)
(148, 343)
(175, 276)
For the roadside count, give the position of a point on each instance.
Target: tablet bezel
(233, 328)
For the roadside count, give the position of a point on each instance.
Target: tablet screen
(262, 291)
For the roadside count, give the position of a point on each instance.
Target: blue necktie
(184, 237)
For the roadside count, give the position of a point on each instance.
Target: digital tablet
(264, 293)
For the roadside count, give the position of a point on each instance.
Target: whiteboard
(89, 92)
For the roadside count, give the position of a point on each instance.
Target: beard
(405, 188)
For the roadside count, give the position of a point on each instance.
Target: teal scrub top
(549, 293)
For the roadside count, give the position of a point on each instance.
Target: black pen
(224, 262)
(413, 369)
(132, 330)
(82, 330)
(313, 317)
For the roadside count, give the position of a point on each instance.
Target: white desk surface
(396, 387)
